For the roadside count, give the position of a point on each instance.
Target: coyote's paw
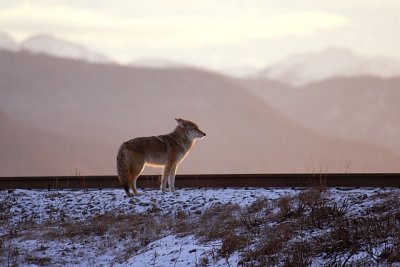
(163, 190)
(137, 193)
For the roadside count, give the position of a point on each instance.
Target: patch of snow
(170, 251)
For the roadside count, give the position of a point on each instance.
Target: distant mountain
(80, 113)
(362, 108)
(302, 69)
(7, 43)
(49, 45)
(157, 63)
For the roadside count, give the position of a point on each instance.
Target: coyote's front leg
(168, 176)
(165, 177)
(171, 180)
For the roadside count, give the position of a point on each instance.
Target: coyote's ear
(180, 122)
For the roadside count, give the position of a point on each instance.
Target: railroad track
(209, 181)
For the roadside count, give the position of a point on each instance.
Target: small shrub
(35, 260)
(260, 204)
(232, 243)
(5, 207)
(285, 206)
(94, 227)
(183, 223)
(203, 262)
(299, 254)
(217, 222)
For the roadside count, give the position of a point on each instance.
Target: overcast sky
(215, 34)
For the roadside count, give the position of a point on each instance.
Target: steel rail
(209, 181)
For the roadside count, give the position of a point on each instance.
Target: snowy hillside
(49, 45)
(201, 227)
(311, 67)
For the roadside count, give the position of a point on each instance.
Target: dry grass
(307, 228)
(38, 261)
(135, 231)
(217, 222)
(295, 230)
(5, 207)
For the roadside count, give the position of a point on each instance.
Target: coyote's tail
(122, 168)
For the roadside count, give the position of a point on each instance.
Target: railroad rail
(209, 181)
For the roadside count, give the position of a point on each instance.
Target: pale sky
(219, 34)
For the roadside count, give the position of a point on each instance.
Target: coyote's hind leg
(134, 172)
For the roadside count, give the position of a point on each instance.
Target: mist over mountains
(296, 70)
(7, 43)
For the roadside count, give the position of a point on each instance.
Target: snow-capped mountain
(156, 63)
(241, 71)
(7, 43)
(332, 62)
(49, 45)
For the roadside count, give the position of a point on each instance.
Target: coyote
(160, 151)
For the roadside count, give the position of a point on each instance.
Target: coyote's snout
(160, 151)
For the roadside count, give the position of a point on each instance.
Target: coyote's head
(191, 129)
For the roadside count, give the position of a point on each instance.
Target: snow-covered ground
(41, 205)
(31, 219)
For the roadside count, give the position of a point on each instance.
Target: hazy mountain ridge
(306, 68)
(109, 104)
(363, 108)
(29, 150)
